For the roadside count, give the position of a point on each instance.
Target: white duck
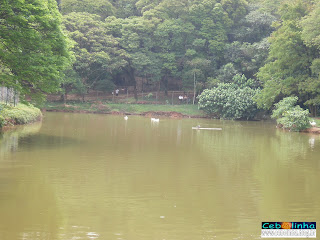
(126, 118)
(154, 119)
(313, 123)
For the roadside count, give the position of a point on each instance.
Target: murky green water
(78, 176)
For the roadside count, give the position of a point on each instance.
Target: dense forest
(254, 51)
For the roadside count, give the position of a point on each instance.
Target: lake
(90, 176)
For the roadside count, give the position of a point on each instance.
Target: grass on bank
(186, 109)
(20, 114)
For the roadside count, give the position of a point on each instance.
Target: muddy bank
(314, 130)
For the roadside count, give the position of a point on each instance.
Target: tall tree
(32, 46)
(311, 36)
(103, 8)
(98, 57)
(289, 63)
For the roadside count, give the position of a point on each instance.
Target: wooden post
(172, 97)
(127, 95)
(157, 97)
(194, 87)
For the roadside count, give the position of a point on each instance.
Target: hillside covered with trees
(262, 50)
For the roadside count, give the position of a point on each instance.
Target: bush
(149, 96)
(21, 114)
(2, 121)
(283, 106)
(289, 116)
(229, 101)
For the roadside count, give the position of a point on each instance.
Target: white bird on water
(126, 118)
(154, 119)
(313, 123)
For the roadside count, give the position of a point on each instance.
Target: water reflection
(39, 141)
(106, 178)
(9, 139)
(27, 201)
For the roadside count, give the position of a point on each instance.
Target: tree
(33, 48)
(135, 38)
(253, 27)
(126, 8)
(311, 37)
(98, 57)
(245, 58)
(289, 62)
(103, 8)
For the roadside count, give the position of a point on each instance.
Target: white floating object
(199, 128)
(162, 216)
(154, 119)
(126, 118)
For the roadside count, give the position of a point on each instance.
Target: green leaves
(290, 116)
(97, 54)
(230, 100)
(103, 8)
(289, 66)
(32, 46)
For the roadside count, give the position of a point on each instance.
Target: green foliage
(311, 27)
(149, 96)
(103, 8)
(292, 66)
(289, 67)
(283, 106)
(289, 116)
(2, 121)
(33, 48)
(211, 42)
(98, 57)
(230, 100)
(227, 72)
(21, 114)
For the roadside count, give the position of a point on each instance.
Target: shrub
(2, 121)
(289, 116)
(149, 96)
(21, 114)
(283, 106)
(229, 101)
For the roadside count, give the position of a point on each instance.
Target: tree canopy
(113, 43)
(33, 48)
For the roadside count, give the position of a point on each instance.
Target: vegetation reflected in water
(101, 177)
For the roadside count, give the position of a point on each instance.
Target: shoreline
(170, 114)
(154, 110)
(19, 115)
(104, 109)
(312, 130)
